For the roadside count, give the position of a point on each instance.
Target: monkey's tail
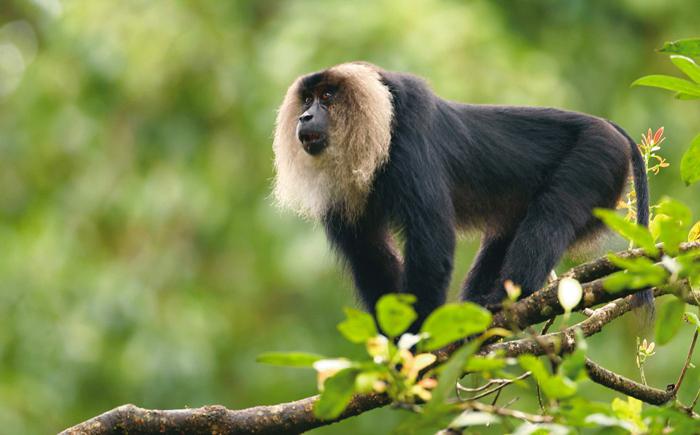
(644, 298)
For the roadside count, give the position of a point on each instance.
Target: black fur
(528, 177)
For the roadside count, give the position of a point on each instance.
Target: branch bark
(285, 418)
(297, 416)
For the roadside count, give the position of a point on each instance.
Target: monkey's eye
(308, 99)
(326, 96)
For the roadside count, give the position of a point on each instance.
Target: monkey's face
(333, 132)
(314, 122)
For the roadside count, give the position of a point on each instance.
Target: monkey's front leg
(366, 248)
(428, 258)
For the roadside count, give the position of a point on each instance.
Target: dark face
(317, 95)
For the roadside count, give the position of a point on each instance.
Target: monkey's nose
(306, 117)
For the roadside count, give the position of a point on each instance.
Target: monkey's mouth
(312, 141)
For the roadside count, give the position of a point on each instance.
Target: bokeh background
(141, 258)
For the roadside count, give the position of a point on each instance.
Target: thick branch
(564, 341)
(627, 386)
(285, 418)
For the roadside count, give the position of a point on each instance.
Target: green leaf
(533, 364)
(452, 322)
(640, 272)
(669, 417)
(576, 410)
(553, 386)
(669, 83)
(670, 320)
(673, 228)
(450, 372)
(337, 392)
(629, 410)
(358, 326)
(675, 209)
(480, 363)
(289, 359)
(691, 318)
(690, 163)
(637, 233)
(655, 225)
(558, 387)
(688, 66)
(682, 96)
(395, 313)
(686, 47)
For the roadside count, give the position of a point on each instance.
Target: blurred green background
(141, 258)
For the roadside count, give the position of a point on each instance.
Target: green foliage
(336, 394)
(690, 163)
(688, 66)
(358, 327)
(630, 411)
(452, 322)
(143, 260)
(395, 313)
(488, 363)
(450, 374)
(553, 386)
(673, 230)
(639, 272)
(687, 47)
(683, 87)
(289, 359)
(632, 231)
(669, 320)
(692, 318)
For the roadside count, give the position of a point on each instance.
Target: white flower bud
(569, 293)
(408, 340)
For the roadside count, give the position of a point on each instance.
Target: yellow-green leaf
(694, 233)
(673, 231)
(358, 326)
(669, 83)
(688, 66)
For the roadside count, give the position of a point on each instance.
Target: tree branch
(285, 418)
(296, 417)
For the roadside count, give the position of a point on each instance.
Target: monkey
(371, 154)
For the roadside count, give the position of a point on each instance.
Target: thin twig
(495, 398)
(505, 412)
(501, 386)
(547, 325)
(687, 362)
(695, 401)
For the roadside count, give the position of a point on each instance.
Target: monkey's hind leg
(557, 216)
(485, 269)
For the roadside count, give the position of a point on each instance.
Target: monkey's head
(333, 133)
